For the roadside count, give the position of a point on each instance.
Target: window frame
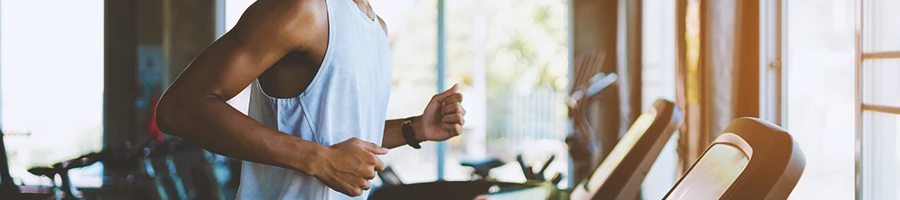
(861, 106)
(772, 84)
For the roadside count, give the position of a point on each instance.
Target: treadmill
(620, 174)
(752, 159)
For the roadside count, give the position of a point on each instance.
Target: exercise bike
(120, 160)
(147, 167)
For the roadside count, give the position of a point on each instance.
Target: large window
(512, 61)
(819, 46)
(879, 68)
(658, 81)
(51, 72)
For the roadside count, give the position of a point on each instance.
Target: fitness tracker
(410, 134)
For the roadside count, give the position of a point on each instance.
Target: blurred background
(76, 76)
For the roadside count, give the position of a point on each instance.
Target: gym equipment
(482, 167)
(389, 177)
(752, 159)
(116, 157)
(142, 178)
(584, 148)
(620, 174)
(536, 187)
(528, 171)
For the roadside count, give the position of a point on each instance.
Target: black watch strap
(410, 134)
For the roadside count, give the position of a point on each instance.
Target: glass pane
(880, 156)
(881, 85)
(511, 60)
(819, 63)
(658, 59)
(412, 27)
(52, 85)
(881, 27)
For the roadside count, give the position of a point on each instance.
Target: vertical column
(632, 64)
(476, 103)
(119, 60)
(119, 73)
(441, 62)
(594, 28)
(861, 142)
(746, 60)
(189, 26)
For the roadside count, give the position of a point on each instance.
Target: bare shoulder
(282, 18)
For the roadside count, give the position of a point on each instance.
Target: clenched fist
(443, 117)
(348, 166)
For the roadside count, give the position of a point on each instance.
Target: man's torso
(326, 94)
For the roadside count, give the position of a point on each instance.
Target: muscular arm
(194, 106)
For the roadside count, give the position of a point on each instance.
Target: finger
(349, 189)
(367, 185)
(374, 148)
(454, 119)
(454, 98)
(445, 94)
(379, 165)
(453, 129)
(369, 174)
(356, 191)
(453, 108)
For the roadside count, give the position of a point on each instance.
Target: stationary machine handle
(526, 170)
(540, 174)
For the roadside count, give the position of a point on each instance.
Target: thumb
(374, 148)
(449, 92)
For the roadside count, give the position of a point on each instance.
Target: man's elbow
(166, 114)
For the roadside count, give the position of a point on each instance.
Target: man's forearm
(217, 127)
(393, 132)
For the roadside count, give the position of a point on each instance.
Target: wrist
(316, 160)
(419, 128)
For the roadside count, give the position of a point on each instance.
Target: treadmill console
(751, 159)
(716, 170)
(620, 174)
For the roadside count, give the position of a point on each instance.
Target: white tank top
(347, 98)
